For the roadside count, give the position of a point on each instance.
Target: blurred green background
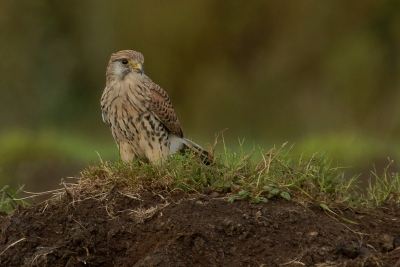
(322, 75)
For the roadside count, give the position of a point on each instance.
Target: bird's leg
(126, 151)
(157, 155)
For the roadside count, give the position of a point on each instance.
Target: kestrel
(140, 114)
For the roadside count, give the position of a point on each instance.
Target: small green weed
(386, 188)
(9, 199)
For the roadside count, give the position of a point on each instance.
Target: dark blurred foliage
(269, 71)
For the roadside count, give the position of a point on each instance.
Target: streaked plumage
(139, 112)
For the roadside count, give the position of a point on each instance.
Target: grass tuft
(236, 176)
(386, 188)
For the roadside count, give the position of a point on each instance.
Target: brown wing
(161, 106)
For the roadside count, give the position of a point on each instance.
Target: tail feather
(205, 156)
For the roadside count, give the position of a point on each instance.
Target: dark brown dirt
(198, 230)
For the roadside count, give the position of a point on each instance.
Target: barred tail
(205, 156)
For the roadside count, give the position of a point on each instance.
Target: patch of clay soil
(197, 230)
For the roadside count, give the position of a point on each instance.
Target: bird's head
(125, 62)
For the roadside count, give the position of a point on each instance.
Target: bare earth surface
(197, 230)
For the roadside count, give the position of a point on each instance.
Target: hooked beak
(138, 67)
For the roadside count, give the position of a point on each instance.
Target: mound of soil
(116, 229)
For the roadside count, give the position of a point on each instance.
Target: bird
(140, 114)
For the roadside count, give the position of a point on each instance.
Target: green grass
(385, 188)
(237, 175)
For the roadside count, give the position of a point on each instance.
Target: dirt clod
(197, 230)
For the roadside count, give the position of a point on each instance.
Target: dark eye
(124, 61)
